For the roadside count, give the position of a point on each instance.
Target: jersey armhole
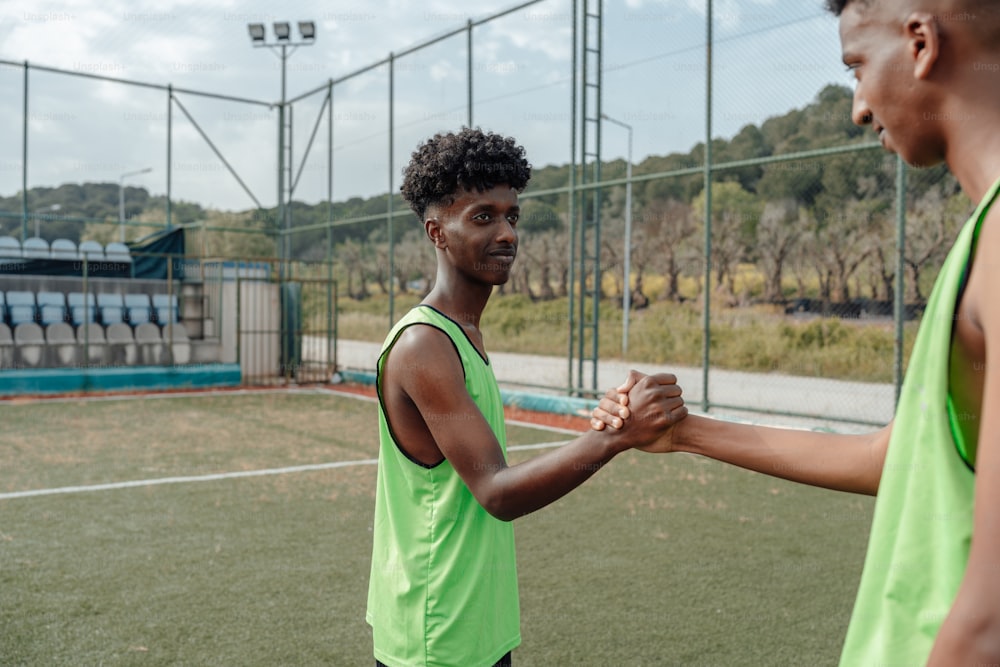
(381, 399)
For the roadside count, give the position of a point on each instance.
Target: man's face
(875, 48)
(478, 232)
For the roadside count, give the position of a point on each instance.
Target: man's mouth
(505, 256)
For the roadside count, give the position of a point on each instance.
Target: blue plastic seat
(165, 306)
(111, 306)
(92, 251)
(51, 307)
(81, 308)
(21, 307)
(64, 249)
(137, 309)
(36, 248)
(117, 252)
(10, 250)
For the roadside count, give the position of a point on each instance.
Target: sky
(770, 56)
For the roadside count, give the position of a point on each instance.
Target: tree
(841, 245)
(664, 231)
(734, 218)
(932, 224)
(414, 261)
(778, 233)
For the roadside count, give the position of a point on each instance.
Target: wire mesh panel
(766, 234)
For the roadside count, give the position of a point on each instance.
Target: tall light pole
(627, 292)
(121, 199)
(53, 208)
(280, 45)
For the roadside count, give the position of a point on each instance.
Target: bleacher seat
(111, 307)
(150, 344)
(64, 249)
(92, 251)
(21, 307)
(61, 344)
(29, 345)
(51, 307)
(6, 347)
(117, 252)
(121, 344)
(137, 309)
(36, 248)
(176, 341)
(78, 310)
(165, 306)
(10, 250)
(93, 344)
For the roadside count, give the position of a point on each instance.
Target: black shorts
(502, 662)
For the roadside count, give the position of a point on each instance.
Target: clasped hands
(650, 402)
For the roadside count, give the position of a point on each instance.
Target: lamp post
(627, 292)
(280, 45)
(121, 199)
(53, 208)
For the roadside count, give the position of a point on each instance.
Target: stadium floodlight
(256, 32)
(283, 46)
(282, 30)
(307, 29)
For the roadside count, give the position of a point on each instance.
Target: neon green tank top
(443, 586)
(922, 527)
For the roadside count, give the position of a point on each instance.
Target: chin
(920, 161)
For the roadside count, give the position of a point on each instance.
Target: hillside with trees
(822, 227)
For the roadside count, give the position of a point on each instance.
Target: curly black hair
(465, 160)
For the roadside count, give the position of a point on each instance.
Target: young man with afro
(443, 587)
(928, 83)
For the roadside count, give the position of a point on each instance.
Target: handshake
(644, 409)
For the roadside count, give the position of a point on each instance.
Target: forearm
(834, 461)
(529, 486)
(967, 641)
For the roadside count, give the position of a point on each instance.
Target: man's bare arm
(436, 386)
(834, 461)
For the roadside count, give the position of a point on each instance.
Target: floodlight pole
(121, 199)
(281, 48)
(282, 184)
(627, 292)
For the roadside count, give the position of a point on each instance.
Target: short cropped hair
(466, 160)
(838, 6)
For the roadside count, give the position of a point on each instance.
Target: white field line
(189, 479)
(220, 476)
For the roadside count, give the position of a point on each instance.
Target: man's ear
(923, 36)
(434, 231)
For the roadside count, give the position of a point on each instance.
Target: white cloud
(204, 46)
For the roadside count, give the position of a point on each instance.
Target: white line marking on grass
(187, 479)
(220, 476)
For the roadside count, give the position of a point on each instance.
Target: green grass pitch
(658, 560)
